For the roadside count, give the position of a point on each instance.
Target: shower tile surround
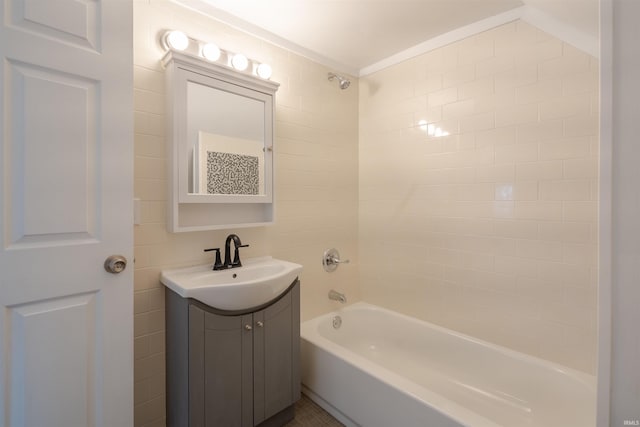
(490, 231)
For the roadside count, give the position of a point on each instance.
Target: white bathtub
(381, 368)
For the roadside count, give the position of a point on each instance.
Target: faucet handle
(331, 260)
(217, 265)
(236, 256)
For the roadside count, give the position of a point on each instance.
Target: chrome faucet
(337, 296)
(236, 254)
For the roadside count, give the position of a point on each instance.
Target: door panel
(70, 21)
(66, 174)
(53, 353)
(52, 173)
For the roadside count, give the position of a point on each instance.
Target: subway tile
(448, 176)
(503, 209)
(580, 253)
(566, 231)
(475, 49)
(149, 168)
(496, 173)
(539, 92)
(580, 82)
(458, 109)
(516, 153)
(516, 229)
(516, 266)
(141, 347)
(564, 66)
(431, 83)
(477, 261)
(580, 211)
(565, 314)
(563, 149)
(495, 101)
(516, 115)
(523, 190)
(520, 75)
(583, 168)
(539, 210)
(148, 123)
(476, 88)
(581, 296)
(537, 289)
(478, 122)
(563, 274)
(148, 79)
(548, 49)
(140, 325)
(539, 249)
(441, 97)
(156, 342)
(458, 76)
(494, 65)
(140, 302)
(582, 125)
(149, 146)
(567, 106)
(539, 171)
(542, 131)
(575, 190)
(149, 411)
(495, 137)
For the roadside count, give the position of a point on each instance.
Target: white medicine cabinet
(220, 145)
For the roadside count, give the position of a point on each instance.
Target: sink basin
(257, 282)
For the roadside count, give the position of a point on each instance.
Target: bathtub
(384, 369)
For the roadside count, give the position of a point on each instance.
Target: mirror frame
(226, 209)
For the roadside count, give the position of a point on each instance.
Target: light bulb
(211, 52)
(239, 62)
(177, 40)
(264, 71)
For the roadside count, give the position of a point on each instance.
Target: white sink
(258, 281)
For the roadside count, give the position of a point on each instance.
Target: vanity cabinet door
(276, 341)
(232, 370)
(228, 371)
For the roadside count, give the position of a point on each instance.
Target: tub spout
(337, 296)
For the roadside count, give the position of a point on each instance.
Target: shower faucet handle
(331, 260)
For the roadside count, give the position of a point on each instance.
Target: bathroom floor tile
(308, 414)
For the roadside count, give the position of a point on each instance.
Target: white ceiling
(354, 34)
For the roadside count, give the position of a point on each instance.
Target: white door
(66, 154)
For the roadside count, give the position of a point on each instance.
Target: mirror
(220, 127)
(226, 135)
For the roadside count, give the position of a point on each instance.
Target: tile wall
(491, 229)
(316, 149)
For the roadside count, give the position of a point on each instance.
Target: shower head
(342, 82)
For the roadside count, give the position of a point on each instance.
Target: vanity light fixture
(264, 71)
(176, 40)
(239, 62)
(210, 52)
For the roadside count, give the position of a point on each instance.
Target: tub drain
(337, 322)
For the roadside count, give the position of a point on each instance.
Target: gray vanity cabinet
(242, 369)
